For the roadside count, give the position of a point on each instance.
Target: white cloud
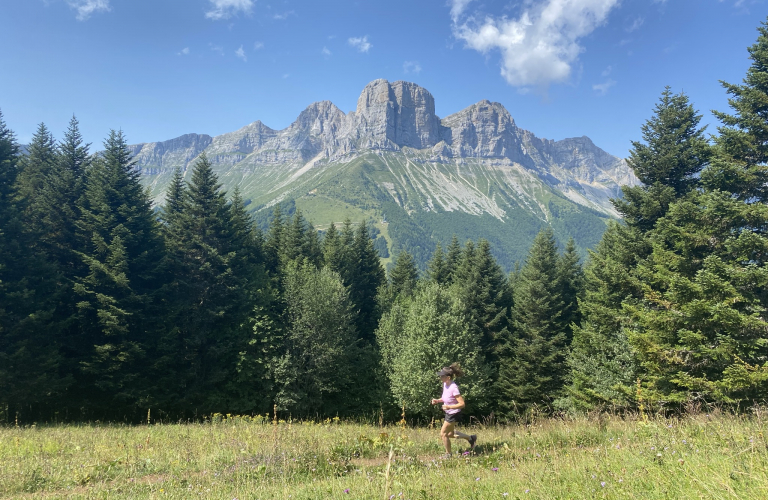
(361, 44)
(636, 23)
(602, 88)
(607, 71)
(457, 9)
(540, 46)
(411, 67)
(224, 9)
(258, 45)
(241, 54)
(286, 75)
(326, 52)
(284, 15)
(216, 48)
(184, 51)
(85, 8)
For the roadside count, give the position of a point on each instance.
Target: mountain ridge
(393, 148)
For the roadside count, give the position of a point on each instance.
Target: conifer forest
(111, 306)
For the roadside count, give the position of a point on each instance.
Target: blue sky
(158, 69)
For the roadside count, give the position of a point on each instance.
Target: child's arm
(436, 401)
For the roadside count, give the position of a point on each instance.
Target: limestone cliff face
(177, 152)
(390, 117)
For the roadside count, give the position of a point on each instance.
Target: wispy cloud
(85, 8)
(286, 75)
(285, 15)
(258, 45)
(635, 25)
(240, 53)
(224, 9)
(411, 67)
(457, 9)
(326, 52)
(184, 51)
(361, 44)
(602, 88)
(539, 46)
(607, 71)
(216, 48)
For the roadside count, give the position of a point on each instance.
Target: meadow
(713, 455)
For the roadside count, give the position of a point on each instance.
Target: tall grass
(702, 456)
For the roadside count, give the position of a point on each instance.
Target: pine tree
(64, 189)
(300, 241)
(404, 276)
(122, 256)
(668, 163)
(437, 269)
(571, 277)
(700, 329)
(743, 141)
(364, 276)
(37, 165)
(603, 364)
(274, 241)
(536, 372)
(453, 258)
(214, 251)
(332, 248)
(29, 360)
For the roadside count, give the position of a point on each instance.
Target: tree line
(110, 306)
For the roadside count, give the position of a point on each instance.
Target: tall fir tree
(36, 166)
(29, 360)
(404, 275)
(536, 371)
(668, 162)
(700, 330)
(603, 365)
(214, 252)
(123, 252)
(453, 257)
(437, 269)
(742, 145)
(364, 277)
(571, 276)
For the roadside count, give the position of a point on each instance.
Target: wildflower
(346, 490)
(494, 469)
(465, 453)
(527, 491)
(602, 484)
(477, 479)
(505, 494)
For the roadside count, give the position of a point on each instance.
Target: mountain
(418, 177)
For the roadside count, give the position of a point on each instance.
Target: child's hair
(456, 370)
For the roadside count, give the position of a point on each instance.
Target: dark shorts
(453, 418)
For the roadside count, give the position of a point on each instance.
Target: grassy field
(702, 456)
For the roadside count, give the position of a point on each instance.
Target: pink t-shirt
(450, 391)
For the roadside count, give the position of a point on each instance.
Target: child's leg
(461, 435)
(446, 433)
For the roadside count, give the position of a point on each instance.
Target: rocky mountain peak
(401, 113)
